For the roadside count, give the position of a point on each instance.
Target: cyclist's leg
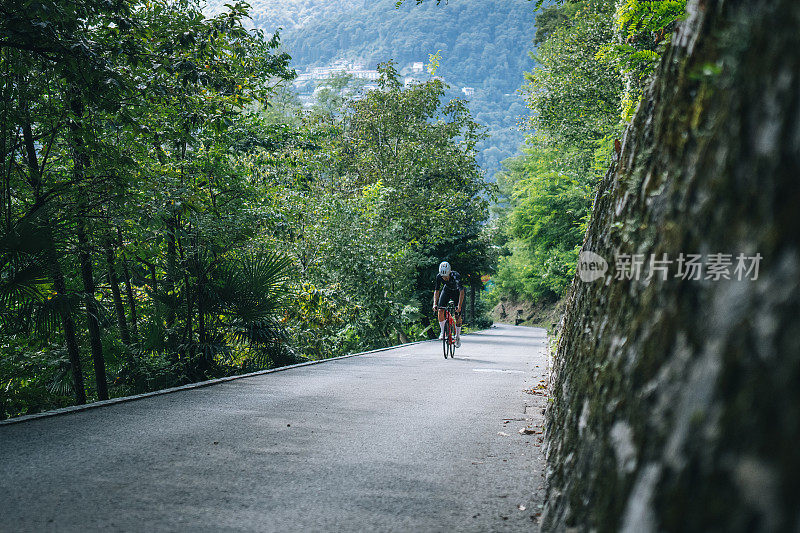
(458, 330)
(442, 303)
(446, 297)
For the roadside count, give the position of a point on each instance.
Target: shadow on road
(490, 334)
(471, 360)
(528, 341)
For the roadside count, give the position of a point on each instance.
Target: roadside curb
(190, 386)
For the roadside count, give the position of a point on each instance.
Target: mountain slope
(270, 15)
(484, 45)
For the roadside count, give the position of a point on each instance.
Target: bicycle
(448, 339)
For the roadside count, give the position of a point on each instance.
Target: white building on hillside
(365, 74)
(340, 66)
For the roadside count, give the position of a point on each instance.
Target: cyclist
(450, 280)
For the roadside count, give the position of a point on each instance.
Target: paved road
(400, 440)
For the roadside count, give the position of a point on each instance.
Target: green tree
(644, 29)
(331, 94)
(116, 124)
(375, 195)
(593, 61)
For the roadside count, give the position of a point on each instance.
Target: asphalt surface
(401, 440)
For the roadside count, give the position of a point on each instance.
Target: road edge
(189, 386)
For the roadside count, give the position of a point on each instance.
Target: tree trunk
(67, 325)
(201, 306)
(201, 317)
(6, 159)
(153, 277)
(92, 310)
(6, 169)
(401, 336)
(187, 331)
(169, 286)
(124, 333)
(131, 301)
(5, 197)
(79, 162)
(54, 266)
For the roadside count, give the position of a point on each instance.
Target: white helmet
(444, 268)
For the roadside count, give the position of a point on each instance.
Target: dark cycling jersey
(452, 285)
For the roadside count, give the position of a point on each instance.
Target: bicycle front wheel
(452, 344)
(446, 339)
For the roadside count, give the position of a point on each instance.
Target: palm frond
(251, 288)
(24, 283)
(249, 296)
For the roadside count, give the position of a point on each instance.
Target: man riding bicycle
(450, 280)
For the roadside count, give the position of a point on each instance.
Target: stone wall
(676, 403)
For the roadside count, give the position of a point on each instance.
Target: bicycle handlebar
(450, 305)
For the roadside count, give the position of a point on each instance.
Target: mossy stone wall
(676, 403)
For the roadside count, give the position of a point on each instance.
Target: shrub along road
(397, 440)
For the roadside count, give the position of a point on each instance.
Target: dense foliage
(594, 59)
(378, 194)
(163, 222)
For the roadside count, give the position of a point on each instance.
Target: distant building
(324, 73)
(356, 70)
(468, 91)
(308, 83)
(365, 74)
(340, 66)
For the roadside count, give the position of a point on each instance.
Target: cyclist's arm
(435, 298)
(460, 299)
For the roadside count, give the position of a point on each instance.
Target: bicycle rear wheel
(446, 338)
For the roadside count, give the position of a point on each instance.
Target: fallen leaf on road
(527, 431)
(503, 434)
(521, 507)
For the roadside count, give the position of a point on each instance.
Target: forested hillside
(271, 15)
(484, 44)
